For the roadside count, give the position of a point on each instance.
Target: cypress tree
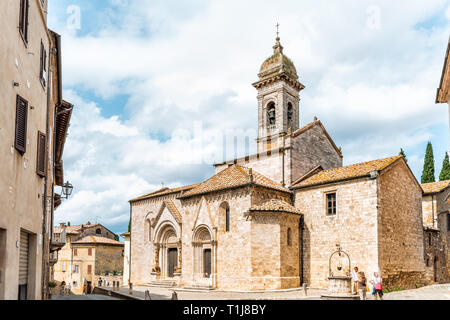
(428, 166)
(68, 224)
(129, 226)
(403, 154)
(445, 172)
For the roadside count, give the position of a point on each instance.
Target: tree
(68, 224)
(129, 226)
(116, 237)
(403, 154)
(445, 172)
(428, 166)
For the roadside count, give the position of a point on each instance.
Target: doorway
(2, 262)
(23, 265)
(173, 259)
(435, 269)
(207, 263)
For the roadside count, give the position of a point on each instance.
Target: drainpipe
(129, 263)
(46, 253)
(432, 209)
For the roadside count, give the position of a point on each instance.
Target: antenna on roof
(162, 185)
(278, 29)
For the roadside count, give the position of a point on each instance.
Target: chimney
(62, 224)
(88, 223)
(250, 172)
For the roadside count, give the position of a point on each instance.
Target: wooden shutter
(23, 259)
(43, 68)
(27, 5)
(41, 163)
(89, 269)
(90, 252)
(20, 142)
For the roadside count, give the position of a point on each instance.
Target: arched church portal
(168, 252)
(204, 254)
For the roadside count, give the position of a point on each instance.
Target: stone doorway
(436, 270)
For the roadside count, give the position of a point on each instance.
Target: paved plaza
(434, 292)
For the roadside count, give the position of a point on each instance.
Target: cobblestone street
(83, 297)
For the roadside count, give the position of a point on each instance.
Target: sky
(161, 88)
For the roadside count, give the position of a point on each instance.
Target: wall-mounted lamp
(15, 84)
(67, 190)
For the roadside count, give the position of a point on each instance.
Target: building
(126, 259)
(33, 126)
(90, 253)
(436, 222)
(272, 220)
(443, 94)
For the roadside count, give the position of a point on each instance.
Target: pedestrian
(355, 280)
(69, 288)
(362, 285)
(84, 288)
(377, 283)
(100, 282)
(63, 285)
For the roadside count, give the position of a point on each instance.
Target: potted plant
(51, 285)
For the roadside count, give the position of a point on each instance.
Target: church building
(271, 220)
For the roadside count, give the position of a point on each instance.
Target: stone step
(162, 284)
(198, 288)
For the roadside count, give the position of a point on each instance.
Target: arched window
(290, 113)
(147, 232)
(289, 237)
(98, 231)
(225, 217)
(271, 114)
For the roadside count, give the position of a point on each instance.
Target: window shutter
(20, 142)
(22, 15)
(41, 155)
(27, 5)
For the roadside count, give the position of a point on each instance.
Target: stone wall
(108, 258)
(400, 231)
(354, 227)
(310, 149)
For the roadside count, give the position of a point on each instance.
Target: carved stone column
(156, 268)
(180, 254)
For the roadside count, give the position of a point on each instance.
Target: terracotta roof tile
(171, 206)
(163, 192)
(97, 240)
(343, 173)
(435, 187)
(275, 205)
(232, 177)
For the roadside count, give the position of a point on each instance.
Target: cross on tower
(278, 29)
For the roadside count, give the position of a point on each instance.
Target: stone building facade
(90, 253)
(271, 221)
(33, 125)
(436, 221)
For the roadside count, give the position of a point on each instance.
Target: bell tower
(278, 99)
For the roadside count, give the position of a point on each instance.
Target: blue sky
(157, 84)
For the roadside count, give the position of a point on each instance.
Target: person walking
(69, 288)
(377, 283)
(355, 280)
(362, 285)
(84, 288)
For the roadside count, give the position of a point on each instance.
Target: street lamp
(67, 189)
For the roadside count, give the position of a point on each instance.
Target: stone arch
(271, 113)
(204, 252)
(167, 244)
(290, 113)
(148, 228)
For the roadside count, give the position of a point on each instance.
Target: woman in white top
(377, 286)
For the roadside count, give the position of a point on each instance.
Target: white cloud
(179, 63)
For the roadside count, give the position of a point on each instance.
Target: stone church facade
(271, 220)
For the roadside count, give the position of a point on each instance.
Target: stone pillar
(156, 268)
